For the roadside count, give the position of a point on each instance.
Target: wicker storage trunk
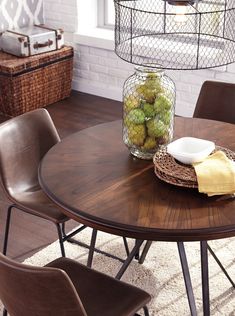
(33, 82)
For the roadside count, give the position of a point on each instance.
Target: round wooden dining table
(96, 181)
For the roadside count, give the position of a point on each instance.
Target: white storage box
(32, 40)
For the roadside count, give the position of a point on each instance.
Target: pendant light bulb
(180, 14)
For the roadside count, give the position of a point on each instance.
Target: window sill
(97, 37)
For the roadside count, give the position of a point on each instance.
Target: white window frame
(88, 32)
(102, 12)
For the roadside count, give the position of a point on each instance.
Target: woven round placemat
(168, 169)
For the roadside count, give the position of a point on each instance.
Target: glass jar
(148, 111)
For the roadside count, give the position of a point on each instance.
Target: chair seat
(37, 203)
(100, 293)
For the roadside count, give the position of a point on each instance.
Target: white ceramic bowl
(190, 149)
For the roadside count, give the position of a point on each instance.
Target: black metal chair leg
(220, 265)
(187, 278)
(92, 248)
(205, 278)
(92, 245)
(7, 227)
(4, 312)
(145, 251)
(60, 235)
(146, 312)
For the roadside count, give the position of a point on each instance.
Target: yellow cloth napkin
(216, 175)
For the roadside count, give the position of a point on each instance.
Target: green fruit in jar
(150, 88)
(153, 82)
(164, 139)
(135, 116)
(136, 134)
(148, 109)
(165, 116)
(150, 143)
(156, 128)
(131, 102)
(147, 94)
(152, 75)
(162, 104)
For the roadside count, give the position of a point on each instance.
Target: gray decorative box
(32, 40)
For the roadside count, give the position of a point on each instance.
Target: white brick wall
(61, 13)
(101, 72)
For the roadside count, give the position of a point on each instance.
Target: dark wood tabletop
(95, 180)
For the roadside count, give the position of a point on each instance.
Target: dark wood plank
(71, 115)
(83, 110)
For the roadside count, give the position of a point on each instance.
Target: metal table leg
(187, 278)
(205, 278)
(126, 246)
(145, 251)
(220, 265)
(128, 260)
(92, 248)
(137, 255)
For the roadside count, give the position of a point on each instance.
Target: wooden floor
(27, 233)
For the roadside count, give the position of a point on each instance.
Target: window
(106, 13)
(95, 31)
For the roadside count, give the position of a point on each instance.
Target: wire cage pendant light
(175, 34)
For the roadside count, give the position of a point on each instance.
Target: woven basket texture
(172, 171)
(33, 82)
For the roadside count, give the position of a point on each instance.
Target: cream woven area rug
(160, 275)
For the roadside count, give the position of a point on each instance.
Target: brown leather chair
(24, 141)
(65, 287)
(216, 101)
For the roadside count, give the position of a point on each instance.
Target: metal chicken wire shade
(149, 32)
